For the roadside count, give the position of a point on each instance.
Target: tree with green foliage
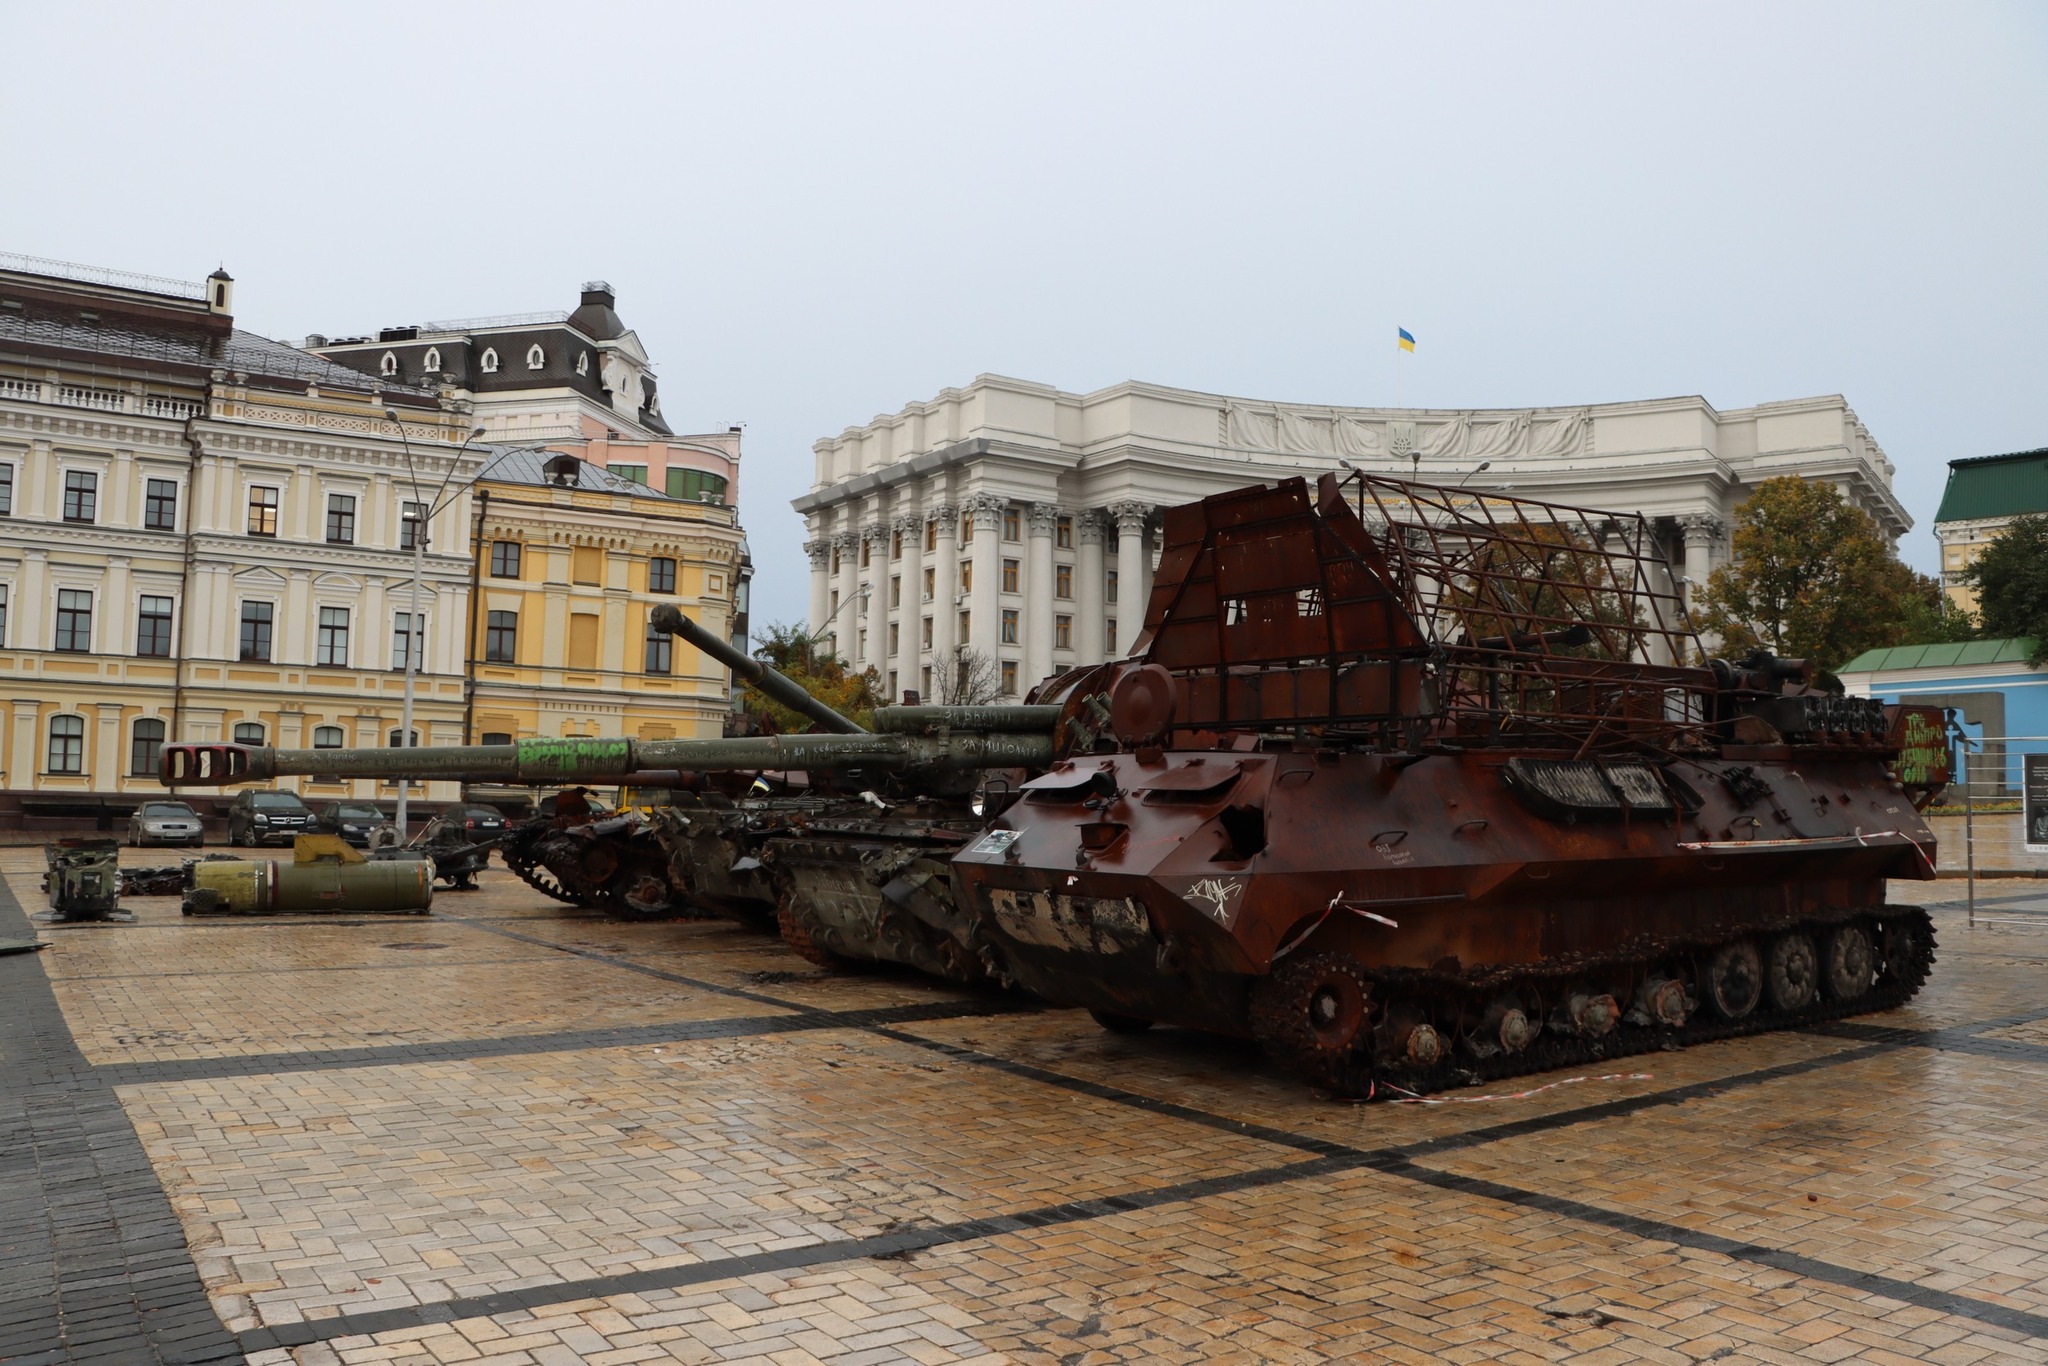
(791, 650)
(1812, 577)
(2011, 578)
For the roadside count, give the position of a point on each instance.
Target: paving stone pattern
(511, 1133)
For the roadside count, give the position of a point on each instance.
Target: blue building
(2000, 700)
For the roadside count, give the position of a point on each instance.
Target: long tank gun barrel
(556, 762)
(777, 686)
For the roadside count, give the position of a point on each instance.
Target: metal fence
(1999, 820)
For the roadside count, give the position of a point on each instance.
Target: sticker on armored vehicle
(994, 842)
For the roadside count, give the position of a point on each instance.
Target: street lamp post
(415, 638)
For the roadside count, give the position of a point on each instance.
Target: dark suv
(267, 818)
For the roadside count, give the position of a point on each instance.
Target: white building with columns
(1020, 521)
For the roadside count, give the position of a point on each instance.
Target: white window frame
(432, 363)
(489, 364)
(388, 365)
(583, 363)
(536, 359)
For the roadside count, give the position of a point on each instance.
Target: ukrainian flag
(1407, 342)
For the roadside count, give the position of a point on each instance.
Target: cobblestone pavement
(508, 1133)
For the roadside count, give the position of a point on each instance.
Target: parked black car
(477, 822)
(165, 823)
(267, 818)
(355, 822)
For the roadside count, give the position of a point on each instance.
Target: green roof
(1995, 486)
(1950, 656)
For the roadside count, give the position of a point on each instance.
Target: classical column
(820, 553)
(910, 616)
(874, 613)
(1089, 645)
(1702, 534)
(985, 630)
(945, 589)
(845, 616)
(1131, 572)
(1039, 605)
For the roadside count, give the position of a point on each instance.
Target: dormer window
(583, 364)
(389, 365)
(535, 358)
(490, 362)
(433, 361)
(654, 405)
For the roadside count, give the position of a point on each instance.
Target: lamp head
(391, 414)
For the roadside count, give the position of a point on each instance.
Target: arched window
(654, 405)
(535, 358)
(583, 363)
(327, 737)
(249, 733)
(389, 365)
(67, 744)
(391, 741)
(146, 747)
(490, 363)
(433, 360)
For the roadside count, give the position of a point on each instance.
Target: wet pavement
(511, 1133)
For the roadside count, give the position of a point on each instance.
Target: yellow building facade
(571, 561)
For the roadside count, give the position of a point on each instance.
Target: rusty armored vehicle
(1412, 785)
(1418, 785)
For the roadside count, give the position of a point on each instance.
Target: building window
(501, 638)
(895, 590)
(262, 511)
(341, 519)
(863, 642)
(863, 552)
(632, 474)
(1063, 533)
(966, 528)
(331, 647)
(892, 683)
(966, 627)
(327, 737)
(967, 576)
(1009, 678)
(1009, 626)
(388, 365)
(153, 628)
(1063, 581)
(256, 621)
(504, 559)
(925, 680)
(391, 741)
(1063, 633)
(3, 614)
(67, 744)
(248, 732)
(1013, 524)
(895, 644)
(1109, 635)
(145, 747)
(835, 602)
(495, 737)
(896, 543)
(931, 535)
(160, 506)
(74, 621)
(1109, 586)
(661, 575)
(535, 358)
(432, 363)
(6, 490)
(410, 516)
(490, 360)
(926, 638)
(1009, 576)
(696, 486)
(835, 559)
(407, 642)
(660, 649)
(930, 581)
(81, 495)
(583, 363)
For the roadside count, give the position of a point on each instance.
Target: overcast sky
(814, 215)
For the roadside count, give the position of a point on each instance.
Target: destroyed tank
(1422, 786)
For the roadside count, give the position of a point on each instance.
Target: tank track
(543, 881)
(1908, 957)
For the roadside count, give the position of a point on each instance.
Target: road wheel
(1848, 962)
(1734, 979)
(1791, 972)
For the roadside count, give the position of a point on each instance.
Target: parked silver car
(165, 823)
